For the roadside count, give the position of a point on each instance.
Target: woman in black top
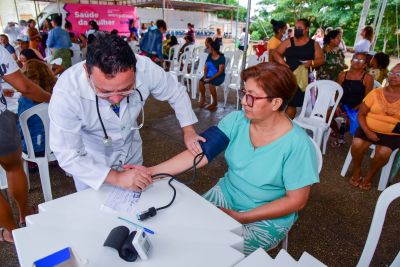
(298, 50)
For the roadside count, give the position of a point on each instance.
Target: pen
(147, 230)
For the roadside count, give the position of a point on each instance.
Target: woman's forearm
(177, 164)
(278, 208)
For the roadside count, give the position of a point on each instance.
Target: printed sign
(108, 17)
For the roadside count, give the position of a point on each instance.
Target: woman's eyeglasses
(358, 60)
(392, 73)
(250, 99)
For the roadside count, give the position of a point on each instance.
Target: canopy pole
(246, 37)
(363, 18)
(16, 10)
(163, 10)
(36, 13)
(237, 24)
(378, 26)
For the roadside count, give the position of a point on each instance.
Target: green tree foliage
(229, 14)
(327, 13)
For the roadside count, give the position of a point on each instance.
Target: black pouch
(396, 128)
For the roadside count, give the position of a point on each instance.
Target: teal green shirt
(262, 175)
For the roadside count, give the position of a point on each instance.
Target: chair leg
(385, 173)
(45, 179)
(346, 164)
(325, 140)
(226, 92)
(285, 241)
(26, 170)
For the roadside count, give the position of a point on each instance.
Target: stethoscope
(107, 141)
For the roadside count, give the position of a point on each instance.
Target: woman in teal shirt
(271, 161)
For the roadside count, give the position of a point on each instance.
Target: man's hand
(135, 178)
(191, 139)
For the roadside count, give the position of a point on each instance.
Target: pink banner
(108, 17)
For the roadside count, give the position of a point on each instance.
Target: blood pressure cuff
(216, 142)
(120, 240)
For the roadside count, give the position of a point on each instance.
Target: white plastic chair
(40, 110)
(229, 49)
(325, 91)
(233, 86)
(77, 55)
(251, 61)
(173, 56)
(3, 179)
(377, 84)
(285, 241)
(195, 74)
(385, 172)
(384, 200)
(263, 57)
(57, 61)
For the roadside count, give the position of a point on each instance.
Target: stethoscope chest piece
(107, 141)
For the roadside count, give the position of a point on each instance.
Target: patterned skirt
(265, 234)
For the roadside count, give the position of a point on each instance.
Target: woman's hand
(238, 216)
(372, 135)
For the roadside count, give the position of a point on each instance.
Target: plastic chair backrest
(237, 57)
(251, 61)
(384, 200)
(228, 65)
(202, 61)
(263, 57)
(325, 91)
(377, 84)
(40, 110)
(229, 49)
(57, 61)
(175, 55)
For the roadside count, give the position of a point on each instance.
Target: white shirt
(7, 66)
(362, 46)
(76, 135)
(242, 38)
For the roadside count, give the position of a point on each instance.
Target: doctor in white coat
(96, 112)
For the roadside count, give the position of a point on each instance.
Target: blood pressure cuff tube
(120, 240)
(216, 142)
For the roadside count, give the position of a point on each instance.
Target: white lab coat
(76, 135)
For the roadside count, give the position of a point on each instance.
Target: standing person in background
(4, 42)
(342, 45)
(93, 27)
(279, 27)
(12, 31)
(34, 36)
(151, 44)
(218, 37)
(364, 44)
(334, 57)
(190, 31)
(10, 146)
(152, 26)
(59, 42)
(134, 34)
(299, 51)
(242, 39)
(319, 37)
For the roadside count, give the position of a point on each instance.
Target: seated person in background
(37, 71)
(378, 66)
(379, 119)
(4, 42)
(271, 161)
(188, 41)
(356, 84)
(214, 71)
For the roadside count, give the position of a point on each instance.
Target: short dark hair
(276, 80)
(277, 25)
(161, 24)
(29, 54)
(31, 20)
(57, 20)
(216, 46)
(382, 60)
(306, 22)
(110, 53)
(330, 36)
(369, 32)
(67, 25)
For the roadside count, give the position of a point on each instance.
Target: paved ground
(333, 227)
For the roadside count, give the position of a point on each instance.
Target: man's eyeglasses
(392, 73)
(250, 99)
(358, 60)
(105, 95)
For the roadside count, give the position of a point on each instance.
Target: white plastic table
(192, 232)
